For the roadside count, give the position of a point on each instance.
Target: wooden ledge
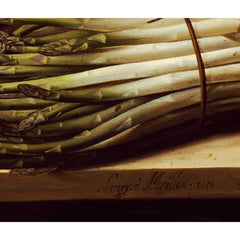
(204, 168)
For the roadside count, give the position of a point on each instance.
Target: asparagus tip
(33, 91)
(31, 121)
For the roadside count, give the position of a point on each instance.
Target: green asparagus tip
(34, 91)
(6, 42)
(28, 123)
(55, 48)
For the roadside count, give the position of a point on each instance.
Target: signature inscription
(160, 181)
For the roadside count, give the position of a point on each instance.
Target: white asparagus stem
(167, 121)
(207, 28)
(113, 24)
(147, 52)
(166, 22)
(159, 84)
(98, 24)
(147, 86)
(131, 71)
(117, 55)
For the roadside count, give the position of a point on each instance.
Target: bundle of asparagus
(72, 86)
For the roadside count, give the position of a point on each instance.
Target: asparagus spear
(24, 49)
(79, 34)
(24, 103)
(25, 29)
(129, 71)
(38, 117)
(17, 70)
(54, 47)
(57, 113)
(16, 44)
(19, 115)
(207, 28)
(223, 56)
(167, 22)
(126, 120)
(84, 122)
(14, 115)
(102, 24)
(80, 111)
(160, 84)
(7, 41)
(141, 52)
(11, 95)
(73, 45)
(167, 121)
(126, 54)
(48, 30)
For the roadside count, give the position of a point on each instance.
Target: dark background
(167, 210)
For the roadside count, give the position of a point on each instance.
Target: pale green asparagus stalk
(19, 115)
(73, 34)
(125, 54)
(126, 120)
(24, 103)
(7, 41)
(207, 28)
(57, 113)
(223, 56)
(129, 71)
(84, 122)
(43, 115)
(73, 45)
(80, 111)
(17, 70)
(48, 30)
(14, 115)
(148, 86)
(114, 24)
(25, 29)
(143, 52)
(24, 49)
(17, 44)
(11, 95)
(96, 24)
(167, 121)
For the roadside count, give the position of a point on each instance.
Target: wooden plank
(121, 184)
(205, 168)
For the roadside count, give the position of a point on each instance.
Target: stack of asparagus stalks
(77, 85)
